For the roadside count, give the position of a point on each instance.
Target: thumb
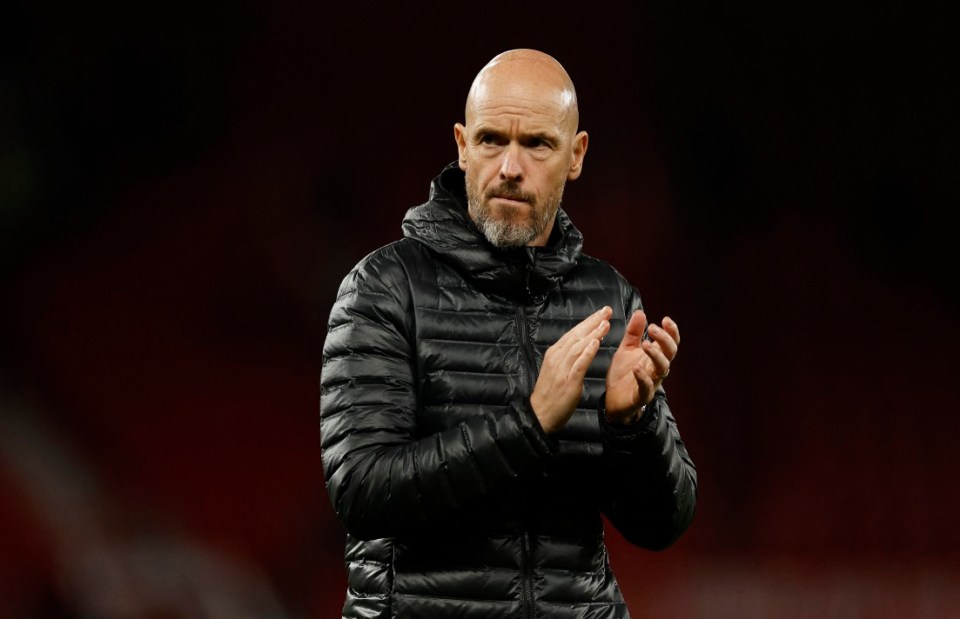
(635, 328)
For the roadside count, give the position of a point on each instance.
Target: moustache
(510, 192)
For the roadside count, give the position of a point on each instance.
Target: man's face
(517, 149)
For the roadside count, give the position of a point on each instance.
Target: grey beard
(502, 233)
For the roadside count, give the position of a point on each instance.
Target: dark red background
(183, 185)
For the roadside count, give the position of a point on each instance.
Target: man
(475, 421)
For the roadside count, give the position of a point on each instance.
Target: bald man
(489, 391)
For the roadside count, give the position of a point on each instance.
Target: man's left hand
(639, 366)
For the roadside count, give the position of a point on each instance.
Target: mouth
(511, 200)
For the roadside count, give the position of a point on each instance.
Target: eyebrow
(546, 136)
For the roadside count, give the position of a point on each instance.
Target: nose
(510, 168)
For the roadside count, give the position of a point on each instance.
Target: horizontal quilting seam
(458, 312)
(562, 570)
(366, 352)
(470, 373)
(450, 284)
(485, 569)
(577, 604)
(365, 293)
(542, 347)
(345, 323)
(329, 415)
(568, 290)
(495, 405)
(364, 594)
(472, 342)
(332, 385)
(362, 354)
(368, 562)
(465, 404)
(471, 600)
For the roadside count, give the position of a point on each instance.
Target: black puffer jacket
(456, 503)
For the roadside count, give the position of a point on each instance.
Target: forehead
(528, 115)
(529, 101)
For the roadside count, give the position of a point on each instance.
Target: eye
(537, 143)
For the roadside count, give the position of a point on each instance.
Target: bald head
(525, 77)
(519, 146)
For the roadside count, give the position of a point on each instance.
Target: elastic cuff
(543, 442)
(646, 420)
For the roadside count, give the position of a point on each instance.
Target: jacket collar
(443, 225)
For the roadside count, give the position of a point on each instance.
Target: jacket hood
(443, 225)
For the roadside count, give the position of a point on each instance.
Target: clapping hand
(639, 366)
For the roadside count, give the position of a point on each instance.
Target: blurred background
(184, 184)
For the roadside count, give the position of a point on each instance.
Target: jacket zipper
(526, 576)
(526, 348)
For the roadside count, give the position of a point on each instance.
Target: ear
(577, 152)
(459, 134)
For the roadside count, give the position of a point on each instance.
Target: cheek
(477, 177)
(486, 176)
(546, 184)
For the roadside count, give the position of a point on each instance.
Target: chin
(510, 210)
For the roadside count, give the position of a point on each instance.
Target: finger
(583, 361)
(634, 330)
(584, 327)
(660, 362)
(671, 327)
(597, 335)
(664, 340)
(642, 374)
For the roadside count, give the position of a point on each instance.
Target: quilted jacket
(455, 502)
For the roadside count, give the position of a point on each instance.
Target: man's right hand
(560, 384)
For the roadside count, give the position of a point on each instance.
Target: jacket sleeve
(653, 481)
(383, 475)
